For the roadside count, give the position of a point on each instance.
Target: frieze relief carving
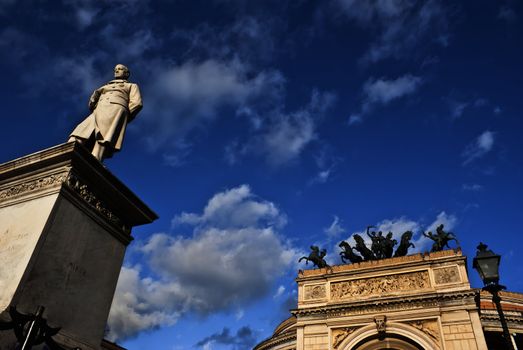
(315, 292)
(42, 183)
(429, 327)
(70, 180)
(340, 334)
(447, 275)
(74, 183)
(380, 285)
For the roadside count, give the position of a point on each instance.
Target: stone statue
(348, 253)
(405, 244)
(378, 243)
(388, 245)
(316, 257)
(441, 239)
(365, 252)
(112, 106)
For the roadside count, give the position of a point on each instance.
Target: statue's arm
(135, 101)
(93, 101)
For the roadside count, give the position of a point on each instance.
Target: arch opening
(388, 342)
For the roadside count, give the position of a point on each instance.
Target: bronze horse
(316, 257)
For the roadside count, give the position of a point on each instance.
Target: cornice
(405, 302)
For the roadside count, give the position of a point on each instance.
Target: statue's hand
(93, 101)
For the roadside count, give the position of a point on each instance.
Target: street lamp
(487, 265)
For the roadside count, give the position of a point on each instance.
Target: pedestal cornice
(69, 168)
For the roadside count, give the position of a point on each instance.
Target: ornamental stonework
(77, 185)
(340, 334)
(380, 285)
(315, 292)
(447, 275)
(35, 185)
(429, 327)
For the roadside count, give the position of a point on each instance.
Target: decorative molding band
(74, 183)
(381, 285)
(34, 185)
(388, 304)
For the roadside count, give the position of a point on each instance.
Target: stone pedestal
(65, 222)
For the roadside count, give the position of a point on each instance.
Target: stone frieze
(80, 188)
(412, 281)
(34, 185)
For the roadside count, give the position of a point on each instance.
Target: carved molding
(34, 185)
(80, 188)
(429, 327)
(447, 275)
(380, 285)
(399, 303)
(340, 334)
(317, 291)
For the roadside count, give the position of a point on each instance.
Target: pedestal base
(65, 222)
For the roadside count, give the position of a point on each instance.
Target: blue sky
(269, 126)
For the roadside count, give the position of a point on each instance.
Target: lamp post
(487, 265)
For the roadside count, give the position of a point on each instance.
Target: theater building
(421, 301)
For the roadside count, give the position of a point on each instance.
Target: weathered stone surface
(18, 239)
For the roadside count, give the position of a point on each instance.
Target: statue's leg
(75, 139)
(98, 151)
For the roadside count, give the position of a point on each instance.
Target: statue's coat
(112, 107)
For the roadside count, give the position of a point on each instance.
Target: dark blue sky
(271, 125)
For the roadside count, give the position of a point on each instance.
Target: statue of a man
(112, 106)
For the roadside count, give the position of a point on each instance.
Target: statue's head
(121, 72)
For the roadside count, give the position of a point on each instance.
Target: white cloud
(288, 134)
(506, 13)
(85, 16)
(279, 292)
(327, 163)
(448, 220)
(5, 4)
(184, 97)
(355, 119)
(142, 303)
(287, 138)
(239, 314)
(472, 187)
(335, 228)
(322, 176)
(401, 24)
(383, 91)
(237, 207)
(457, 109)
(479, 147)
(223, 265)
(130, 46)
